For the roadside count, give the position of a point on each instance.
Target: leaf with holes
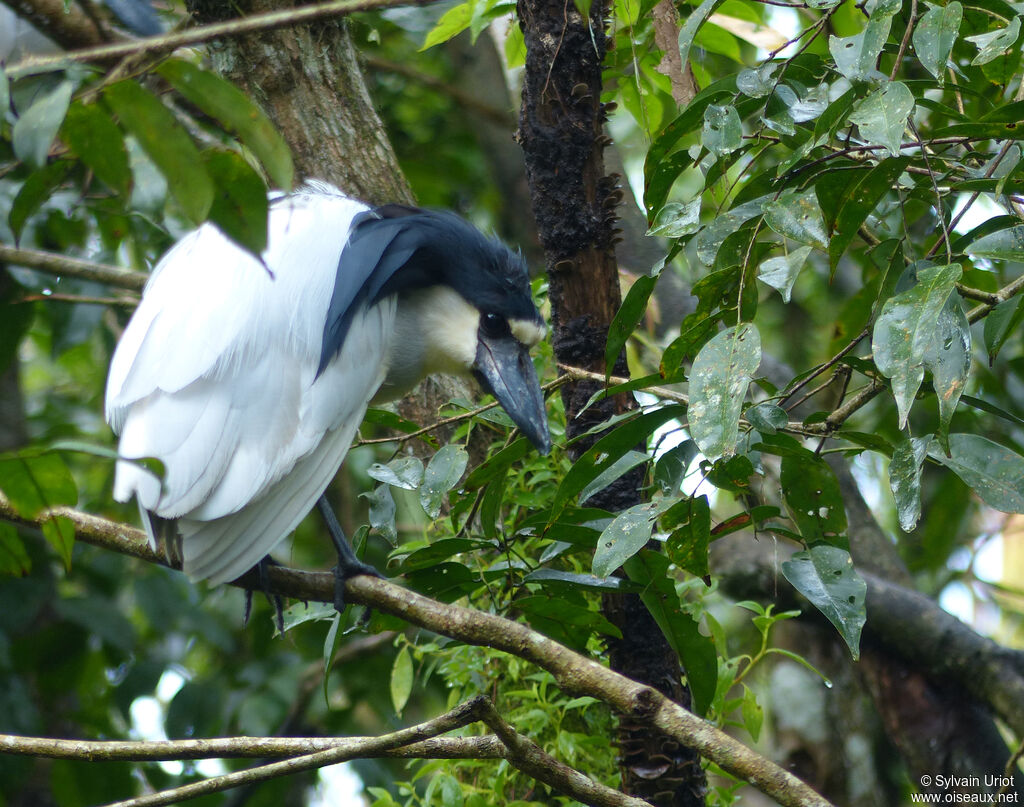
(797, 215)
(882, 116)
(857, 55)
(907, 329)
(934, 36)
(719, 379)
(722, 132)
(993, 471)
(403, 472)
(948, 359)
(628, 533)
(758, 82)
(781, 271)
(995, 43)
(905, 479)
(812, 495)
(825, 575)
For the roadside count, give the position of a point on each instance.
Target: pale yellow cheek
(527, 332)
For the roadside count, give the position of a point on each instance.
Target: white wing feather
(216, 377)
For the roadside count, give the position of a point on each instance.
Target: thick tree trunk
(308, 81)
(561, 132)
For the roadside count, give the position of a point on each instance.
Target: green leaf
(443, 473)
(675, 220)
(1004, 245)
(59, 531)
(812, 496)
(240, 204)
(227, 104)
(632, 310)
(993, 471)
(857, 200)
(628, 533)
(722, 132)
(995, 43)
(671, 467)
(882, 116)
(1003, 320)
(35, 130)
(166, 144)
(35, 481)
(825, 575)
(36, 190)
(403, 472)
(948, 358)
(453, 22)
(606, 451)
(623, 465)
(382, 512)
(719, 379)
(934, 36)
(689, 28)
(401, 680)
(689, 525)
(14, 560)
(907, 330)
(753, 714)
(695, 651)
(710, 238)
(797, 215)
(857, 55)
(905, 479)
(94, 137)
(781, 271)
(767, 417)
(757, 83)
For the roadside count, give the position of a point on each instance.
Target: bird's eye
(494, 325)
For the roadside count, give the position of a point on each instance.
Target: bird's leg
(264, 585)
(348, 564)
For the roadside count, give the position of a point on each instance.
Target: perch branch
(574, 673)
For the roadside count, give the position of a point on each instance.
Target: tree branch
(574, 673)
(65, 23)
(63, 266)
(195, 36)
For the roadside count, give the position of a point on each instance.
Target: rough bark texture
(561, 132)
(308, 82)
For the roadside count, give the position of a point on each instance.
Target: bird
(247, 376)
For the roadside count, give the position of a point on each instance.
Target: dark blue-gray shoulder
(397, 248)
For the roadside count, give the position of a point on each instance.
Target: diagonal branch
(574, 673)
(166, 43)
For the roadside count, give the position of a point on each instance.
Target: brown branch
(574, 673)
(166, 43)
(64, 23)
(484, 747)
(63, 266)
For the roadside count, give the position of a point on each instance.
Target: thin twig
(196, 36)
(905, 41)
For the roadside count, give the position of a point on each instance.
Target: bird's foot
(263, 584)
(349, 567)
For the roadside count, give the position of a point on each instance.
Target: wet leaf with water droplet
(825, 575)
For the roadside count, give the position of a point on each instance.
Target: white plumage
(216, 375)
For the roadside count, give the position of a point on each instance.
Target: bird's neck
(435, 332)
